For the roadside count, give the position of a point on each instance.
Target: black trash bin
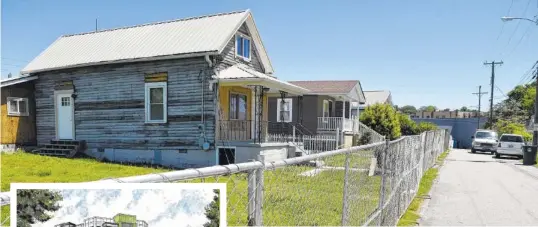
(529, 155)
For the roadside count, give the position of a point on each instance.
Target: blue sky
(425, 52)
(158, 207)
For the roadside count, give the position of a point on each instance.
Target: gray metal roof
(172, 39)
(16, 80)
(374, 97)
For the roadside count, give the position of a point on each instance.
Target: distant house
(18, 113)
(324, 108)
(372, 97)
(185, 93)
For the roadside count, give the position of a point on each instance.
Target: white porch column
(343, 114)
(349, 108)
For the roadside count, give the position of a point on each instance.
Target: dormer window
(242, 47)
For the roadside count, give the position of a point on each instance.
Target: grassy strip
(20, 167)
(289, 198)
(411, 215)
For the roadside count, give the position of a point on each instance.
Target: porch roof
(242, 74)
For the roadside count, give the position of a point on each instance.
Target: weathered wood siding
(229, 58)
(110, 113)
(19, 130)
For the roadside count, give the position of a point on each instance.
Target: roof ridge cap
(157, 23)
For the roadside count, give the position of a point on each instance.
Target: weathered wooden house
(184, 93)
(324, 109)
(18, 114)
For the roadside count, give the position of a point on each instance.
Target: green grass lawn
(411, 215)
(289, 199)
(21, 167)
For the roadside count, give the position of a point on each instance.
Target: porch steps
(61, 148)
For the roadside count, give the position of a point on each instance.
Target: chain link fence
(364, 185)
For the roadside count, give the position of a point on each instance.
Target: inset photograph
(118, 205)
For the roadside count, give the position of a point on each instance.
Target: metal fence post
(337, 138)
(259, 193)
(293, 133)
(383, 179)
(251, 177)
(345, 194)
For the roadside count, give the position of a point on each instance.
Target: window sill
(17, 115)
(241, 58)
(155, 122)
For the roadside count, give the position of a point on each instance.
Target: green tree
(408, 109)
(429, 108)
(507, 127)
(464, 108)
(212, 211)
(35, 205)
(383, 119)
(407, 126)
(426, 126)
(446, 109)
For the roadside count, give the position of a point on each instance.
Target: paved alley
(477, 189)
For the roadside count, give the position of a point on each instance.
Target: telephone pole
(493, 63)
(535, 128)
(480, 93)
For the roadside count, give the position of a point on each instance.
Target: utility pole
(493, 63)
(480, 93)
(535, 130)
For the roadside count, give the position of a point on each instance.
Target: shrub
(507, 127)
(407, 126)
(426, 126)
(382, 118)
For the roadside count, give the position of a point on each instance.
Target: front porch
(242, 107)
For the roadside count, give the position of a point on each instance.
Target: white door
(64, 118)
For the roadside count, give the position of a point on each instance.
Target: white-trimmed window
(156, 102)
(17, 106)
(242, 47)
(284, 110)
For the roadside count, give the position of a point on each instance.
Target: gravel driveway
(477, 189)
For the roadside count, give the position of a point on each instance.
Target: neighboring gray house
(325, 108)
(183, 93)
(372, 97)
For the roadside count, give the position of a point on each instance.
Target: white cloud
(158, 207)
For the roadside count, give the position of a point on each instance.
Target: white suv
(485, 141)
(510, 144)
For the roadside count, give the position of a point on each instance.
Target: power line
(527, 75)
(14, 59)
(521, 39)
(501, 91)
(9, 64)
(517, 26)
(502, 27)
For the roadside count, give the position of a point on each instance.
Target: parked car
(510, 144)
(485, 141)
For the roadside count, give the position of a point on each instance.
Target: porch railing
(242, 130)
(334, 123)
